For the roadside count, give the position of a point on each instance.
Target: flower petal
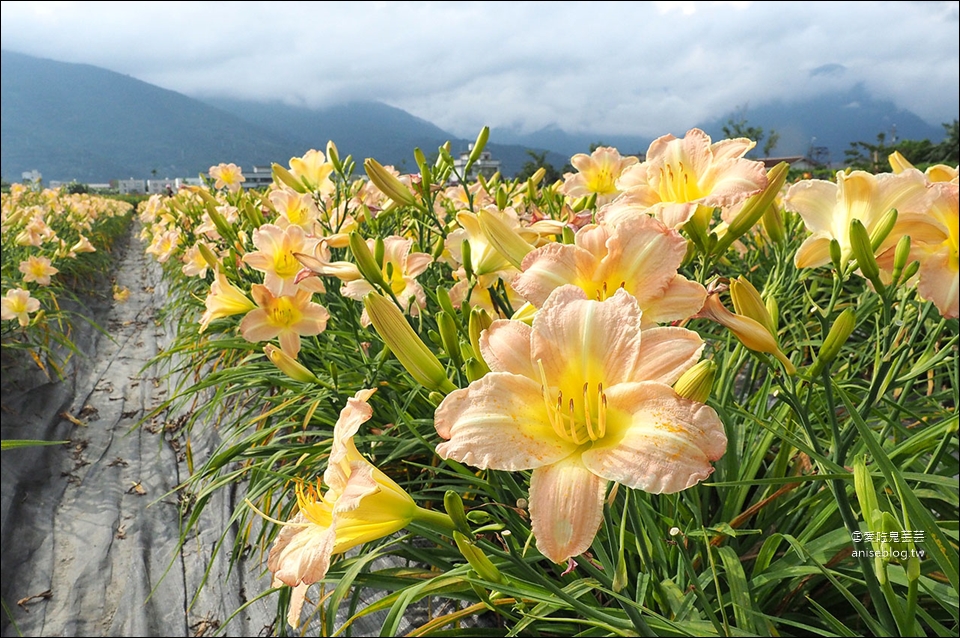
(505, 347)
(499, 422)
(586, 341)
(666, 353)
(662, 443)
(681, 299)
(551, 266)
(566, 508)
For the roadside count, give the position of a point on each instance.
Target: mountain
(832, 121)
(76, 121)
(84, 123)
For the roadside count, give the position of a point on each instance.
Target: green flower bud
(413, 354)
(477, 559)
(366, 262)
(840, 331)
(697, 382)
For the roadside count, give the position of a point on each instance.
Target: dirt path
(90, 529)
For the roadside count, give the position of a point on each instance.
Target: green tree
(538, 161)
(738, 126)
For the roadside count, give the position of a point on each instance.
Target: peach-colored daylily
(934, 173)
(19, 305)
(227, 175)
(582, 397)
(275, 258)
(313, 170)
(37, 269)
(361, 504)
(683, 173)
(164, 245)
(827, 208)
(224, 300)
(596, 173)
(284, 316)
(640, 255)
(294, 208)
(934, 230)
(400, 270)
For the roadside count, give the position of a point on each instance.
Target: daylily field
(678, 396)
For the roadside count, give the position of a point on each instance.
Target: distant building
(485, 165)
(132, 186)
(163, 186)
(32, 178)
(258, 177)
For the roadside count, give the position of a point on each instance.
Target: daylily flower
(596, 173)
(361, 504)
(224, 300)
(275, 258)
(294, 208)
(37, 269)
(400, 270)
(313, 170)
(640, 255)
(227, 175)
(687, 172)
(934, 229)
(827, 208)
(18, 304)
(284, 316)
(582, 397)
(164, 245)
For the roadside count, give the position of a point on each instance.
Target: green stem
(438, 521)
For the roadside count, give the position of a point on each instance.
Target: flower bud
(208, 255)
(479, 145)
(475, 369)
(840, 331)
(365, 261)
(282, 175)
(393, 328)
(333, 156)
(289, 366)
(898, 162)
(454, 506)
(697, 382)
(477, 559)
(388, 184)
(882, 229)
(748, 303)
(538, 176)
(773, 223)
(863, 253)
(479, 321)
(836, 255)
(751, 333)
(503, 238)
(754, 208)
(449, 336)
(900, 256)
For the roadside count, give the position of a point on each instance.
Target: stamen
(602, 414)
(586, 413)
(573, 424)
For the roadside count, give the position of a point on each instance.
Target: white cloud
(609, 67)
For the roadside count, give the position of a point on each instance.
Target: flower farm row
(677, 396)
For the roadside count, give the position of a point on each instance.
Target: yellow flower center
(285, 264)
(601, 181)
(317, 509)
(678, 184)
(283, 313)
(578, 419)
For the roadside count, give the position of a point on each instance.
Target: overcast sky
(609, 67)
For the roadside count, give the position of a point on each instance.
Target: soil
(91, 528)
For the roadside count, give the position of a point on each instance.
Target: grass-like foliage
(394, 365)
